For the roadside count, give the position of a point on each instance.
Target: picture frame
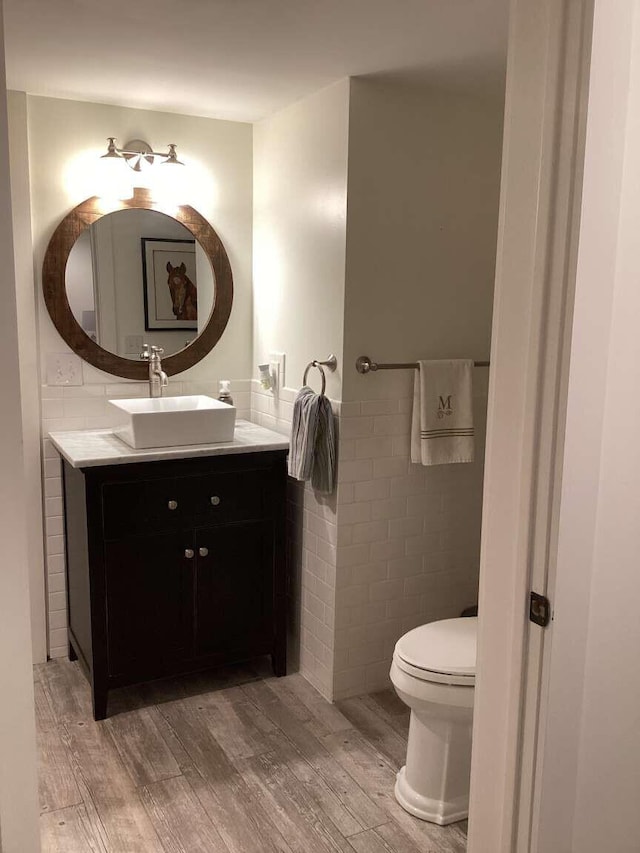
(169, 284)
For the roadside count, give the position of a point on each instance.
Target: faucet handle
(145, 355)
(157, 350)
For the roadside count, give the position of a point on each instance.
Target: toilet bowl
(433, 672)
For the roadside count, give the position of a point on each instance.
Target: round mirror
(115, 279)
(139, 276)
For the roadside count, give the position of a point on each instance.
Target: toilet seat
(443, 652)
(434, 677)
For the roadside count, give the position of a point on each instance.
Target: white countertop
(86, 448)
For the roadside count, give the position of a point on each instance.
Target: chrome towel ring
(331, 363)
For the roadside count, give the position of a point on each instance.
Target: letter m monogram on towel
(444, 406)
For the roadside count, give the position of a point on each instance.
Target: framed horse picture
(169, 283)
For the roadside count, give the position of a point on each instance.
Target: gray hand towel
(312, 454)
(324, 459)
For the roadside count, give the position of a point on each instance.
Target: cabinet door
(234, 589)
(149, 594)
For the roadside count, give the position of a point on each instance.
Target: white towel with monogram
(442, 420)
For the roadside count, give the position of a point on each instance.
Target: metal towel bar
(365, 365)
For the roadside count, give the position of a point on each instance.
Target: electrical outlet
(64, 368)
(277, 365)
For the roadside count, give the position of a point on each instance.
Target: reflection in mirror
(138, 276)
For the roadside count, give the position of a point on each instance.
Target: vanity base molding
(175, 566)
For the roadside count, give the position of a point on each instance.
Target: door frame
(543, 155)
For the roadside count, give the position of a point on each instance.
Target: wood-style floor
(237, 763)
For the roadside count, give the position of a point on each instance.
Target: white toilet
(433, 672)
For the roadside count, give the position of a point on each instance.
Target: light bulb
(113, 180)
(169, 179)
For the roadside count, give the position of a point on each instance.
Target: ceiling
(245, 59)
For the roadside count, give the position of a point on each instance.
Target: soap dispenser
(224, 394)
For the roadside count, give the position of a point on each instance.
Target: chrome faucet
(158, 379)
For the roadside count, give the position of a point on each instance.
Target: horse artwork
(170, 284)
(184, 293)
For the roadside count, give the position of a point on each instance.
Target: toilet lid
(447, 647)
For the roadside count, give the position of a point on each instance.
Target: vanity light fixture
(166, 184)
(137, 154)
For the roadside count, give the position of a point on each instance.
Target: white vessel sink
(174, 421)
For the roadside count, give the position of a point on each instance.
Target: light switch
(64, 368)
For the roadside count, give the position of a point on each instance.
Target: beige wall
(18, 788)
(424, 175)
(29, 365)
(300, 169)
(300, 198)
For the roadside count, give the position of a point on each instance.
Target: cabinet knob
(173, 504)
(203, 552)
(215, 500)
(189, 553)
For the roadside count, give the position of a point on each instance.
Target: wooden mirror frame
(55, 291)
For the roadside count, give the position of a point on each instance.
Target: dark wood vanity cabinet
(175, 566)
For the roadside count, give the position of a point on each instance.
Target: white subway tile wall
(313, 552)
(399, 546)
(409, 538)
(86, 407)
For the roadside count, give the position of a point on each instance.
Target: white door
(587, 782)
(547, 76)
(556, 765)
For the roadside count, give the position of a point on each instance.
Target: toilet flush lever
(539, 609)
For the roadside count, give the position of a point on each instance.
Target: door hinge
(539, 609)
